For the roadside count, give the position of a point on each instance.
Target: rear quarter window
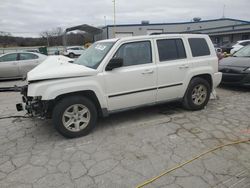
(27, 56)
(199, 47)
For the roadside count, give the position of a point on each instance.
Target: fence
(51, 50)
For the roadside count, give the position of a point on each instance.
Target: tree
(53, 36)
(46, 35)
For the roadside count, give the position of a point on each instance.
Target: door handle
(148, 72)
(183, 67)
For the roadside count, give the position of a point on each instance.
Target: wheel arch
(86, 93)
(206, 77)
(187, 97)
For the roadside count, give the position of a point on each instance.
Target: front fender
(50, 89)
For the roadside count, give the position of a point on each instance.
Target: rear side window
(171, 49)
(27, 56)
(199, 47)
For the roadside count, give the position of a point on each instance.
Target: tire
(197, 94)
(74, 116)
(71, 55)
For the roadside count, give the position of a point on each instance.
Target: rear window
(199, 47)
(171, 49)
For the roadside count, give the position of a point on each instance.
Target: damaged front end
(33, 105)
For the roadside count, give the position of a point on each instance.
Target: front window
(243, 52)
(135, 53)
(93, 56)
(9, 57)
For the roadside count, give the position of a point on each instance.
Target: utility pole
(47, 40)
(114, 27)
(223, 13)
(105, 21)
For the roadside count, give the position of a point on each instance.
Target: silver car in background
(18, 64)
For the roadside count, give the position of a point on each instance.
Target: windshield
(93, 56)
(243, 52)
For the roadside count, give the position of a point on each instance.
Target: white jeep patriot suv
(120, 74)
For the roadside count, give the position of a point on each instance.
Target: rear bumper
(217, 79)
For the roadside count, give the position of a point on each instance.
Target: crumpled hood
(58, 67)
(235, 62)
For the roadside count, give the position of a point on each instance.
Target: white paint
(58, 67)
(125, 79)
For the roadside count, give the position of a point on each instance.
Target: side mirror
(114, 63)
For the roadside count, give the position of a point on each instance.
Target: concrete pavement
(130, 147)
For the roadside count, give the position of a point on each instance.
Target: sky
(31, 17)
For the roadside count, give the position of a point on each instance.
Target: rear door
(9, 66)
(27, 61)
(172, 66)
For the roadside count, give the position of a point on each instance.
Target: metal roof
(177, 23)
(86, 28)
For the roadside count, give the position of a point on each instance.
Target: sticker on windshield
(100, 47)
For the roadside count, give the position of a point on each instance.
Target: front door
(134, 83)
(27, 61)
(9, 67)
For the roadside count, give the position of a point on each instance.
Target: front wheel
(197, 94)
(74, 116)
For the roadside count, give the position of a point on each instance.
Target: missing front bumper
(33, 105)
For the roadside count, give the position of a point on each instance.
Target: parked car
(120, 74)
(74, 51)
(33, 50)
(240, 44)
(236, 69)
(16, 65)
(226, 48)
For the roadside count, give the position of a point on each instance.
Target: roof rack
(185, 32)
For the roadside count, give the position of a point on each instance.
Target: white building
(222, 31)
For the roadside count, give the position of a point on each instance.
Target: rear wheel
(74, 116)
(197, 94)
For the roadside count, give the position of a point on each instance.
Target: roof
(86, 28)
(142, 37)
(177, 23)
